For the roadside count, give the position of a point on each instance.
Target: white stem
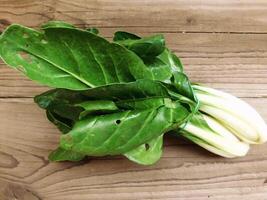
(239, 127)
(218, 144)
(218, 128)
(234, 106)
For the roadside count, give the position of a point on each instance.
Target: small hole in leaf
(118, 121)
(24, 55)
(25, 35)
(147, 146)
(43, 41)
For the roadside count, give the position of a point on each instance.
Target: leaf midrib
(62, 69)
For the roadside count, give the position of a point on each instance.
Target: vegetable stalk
(234, 113)
(213, 136)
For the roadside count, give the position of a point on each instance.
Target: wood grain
(185, 170)
(160, 15)
(221, 43)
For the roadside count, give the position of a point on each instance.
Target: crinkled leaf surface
(160, 61)
(106, 99)
(143, 47)
(141, 111)
(120, 132)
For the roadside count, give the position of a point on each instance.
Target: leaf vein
(140, 129)
(98, 62)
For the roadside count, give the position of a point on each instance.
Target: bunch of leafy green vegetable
(109, 98)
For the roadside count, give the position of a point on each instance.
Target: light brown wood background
(221, 43)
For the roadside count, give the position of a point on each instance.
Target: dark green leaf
(121, 35)
(161, 62)
(118, 133)
(171, 60)
(93, 30)
(125, 98)
(96, 107)
(58, 96)
(143, 47)
(142, 88)
(59, 100)
(69, 104)
(65, 57)
(160, 70)
(146, 109)
(63, 124)
(183, 85)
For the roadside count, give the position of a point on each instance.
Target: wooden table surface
(221, 43)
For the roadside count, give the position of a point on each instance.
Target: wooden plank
(233, 62)
(185, 171)
(160, 15)
(221, 43)
(15, 84)
(170, 15)
(27, 12)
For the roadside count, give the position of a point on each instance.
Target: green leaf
(145, 154)
(121, 35)
(148, 153)
(161, 62)
(61, 103)
(63, 107)
(97, 107)
(93, 30)
(58, 96)
(160, 70)
(143, 47)
(69, 104)
(171, 60)
(64, 57)
(54, 24)
(65, 155)
(118, 133)
(183, 86)
(142, 88)
(146, 109)
(123, 96)
(163, 66)
(63, 124)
